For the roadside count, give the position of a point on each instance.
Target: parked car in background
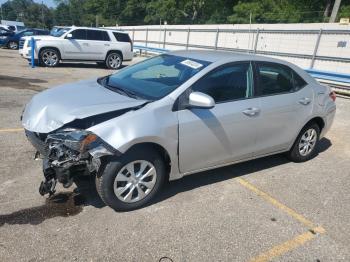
(84, 44)
(14, 26)
(173, 115)
(12, 42)
(4, 33)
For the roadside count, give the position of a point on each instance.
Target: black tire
(48, 51)
(295, 155)
(114, 60)
(105, 181)
(13, 45)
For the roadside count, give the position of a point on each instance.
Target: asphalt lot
(262, 210)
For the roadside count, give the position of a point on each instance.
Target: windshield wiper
(104, 81)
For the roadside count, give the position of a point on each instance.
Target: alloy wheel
(13, 45)
(50, 58)
(135, 181)
(114, 61)
(307, 142)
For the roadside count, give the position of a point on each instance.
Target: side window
(299, 82)
(97, 35)
(122, 37)
(28, 33)
(274, 79)
(227, 83)
(79, 34)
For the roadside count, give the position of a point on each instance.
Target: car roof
(216, 55)
(97, 28)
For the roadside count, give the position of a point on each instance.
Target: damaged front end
(66, 154)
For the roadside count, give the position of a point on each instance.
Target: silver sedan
(173, 115)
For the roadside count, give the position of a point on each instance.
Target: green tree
(163, 10)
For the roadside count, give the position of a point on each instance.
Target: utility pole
(335, 11)
(96, 25)
(2, 18)
(42, 14)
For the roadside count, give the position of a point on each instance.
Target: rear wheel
(114, 60)
(132, 180)
(305, 146)
(49, 57)
(12, 45)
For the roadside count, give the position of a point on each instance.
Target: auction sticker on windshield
(192, 64)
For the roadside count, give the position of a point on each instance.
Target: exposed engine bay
(66, 154)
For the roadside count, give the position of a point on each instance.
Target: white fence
(319, 46)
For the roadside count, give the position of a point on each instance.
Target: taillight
(332, 95)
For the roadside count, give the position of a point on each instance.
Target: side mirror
(69, 36)
(200, 100)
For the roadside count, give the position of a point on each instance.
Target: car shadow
(86, 186)
(85, 65)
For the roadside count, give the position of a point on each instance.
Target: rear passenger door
(98, 43)
(285, 103)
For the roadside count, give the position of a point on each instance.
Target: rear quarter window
(122, 37)
(299, 82)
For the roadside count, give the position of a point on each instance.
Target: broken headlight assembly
(71, 152)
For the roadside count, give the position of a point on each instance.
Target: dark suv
(12, 41)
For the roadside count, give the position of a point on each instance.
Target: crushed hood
(55, 107)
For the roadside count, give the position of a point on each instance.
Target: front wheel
(305, 146)
(49, 57)
(132, 180)
(12, 45)
(114, 60)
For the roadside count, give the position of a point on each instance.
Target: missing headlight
(72, 152)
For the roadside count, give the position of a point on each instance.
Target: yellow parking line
(11, 130)
(285, 247)
(299, 240)
(281, 206)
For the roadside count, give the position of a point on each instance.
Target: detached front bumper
(67, 154)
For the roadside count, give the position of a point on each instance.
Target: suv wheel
(114, 60)
(49, 57)
(132, 180)
(305, 146)
(13, 45)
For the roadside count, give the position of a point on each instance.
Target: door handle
(86, 44)
(305, 101)
(252, 111)
(106, 44)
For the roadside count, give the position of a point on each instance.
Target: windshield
(59, 31)
(155, 77)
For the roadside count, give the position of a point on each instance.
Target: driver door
(225, 133)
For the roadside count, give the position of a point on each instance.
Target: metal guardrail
(313, 56)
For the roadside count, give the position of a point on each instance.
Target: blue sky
(49, 3)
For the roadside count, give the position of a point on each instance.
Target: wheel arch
(116, 51)
(318, 120)
(158, 148)
(11, 40)
(50, 47)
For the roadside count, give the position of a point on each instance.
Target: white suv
(106, 46)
